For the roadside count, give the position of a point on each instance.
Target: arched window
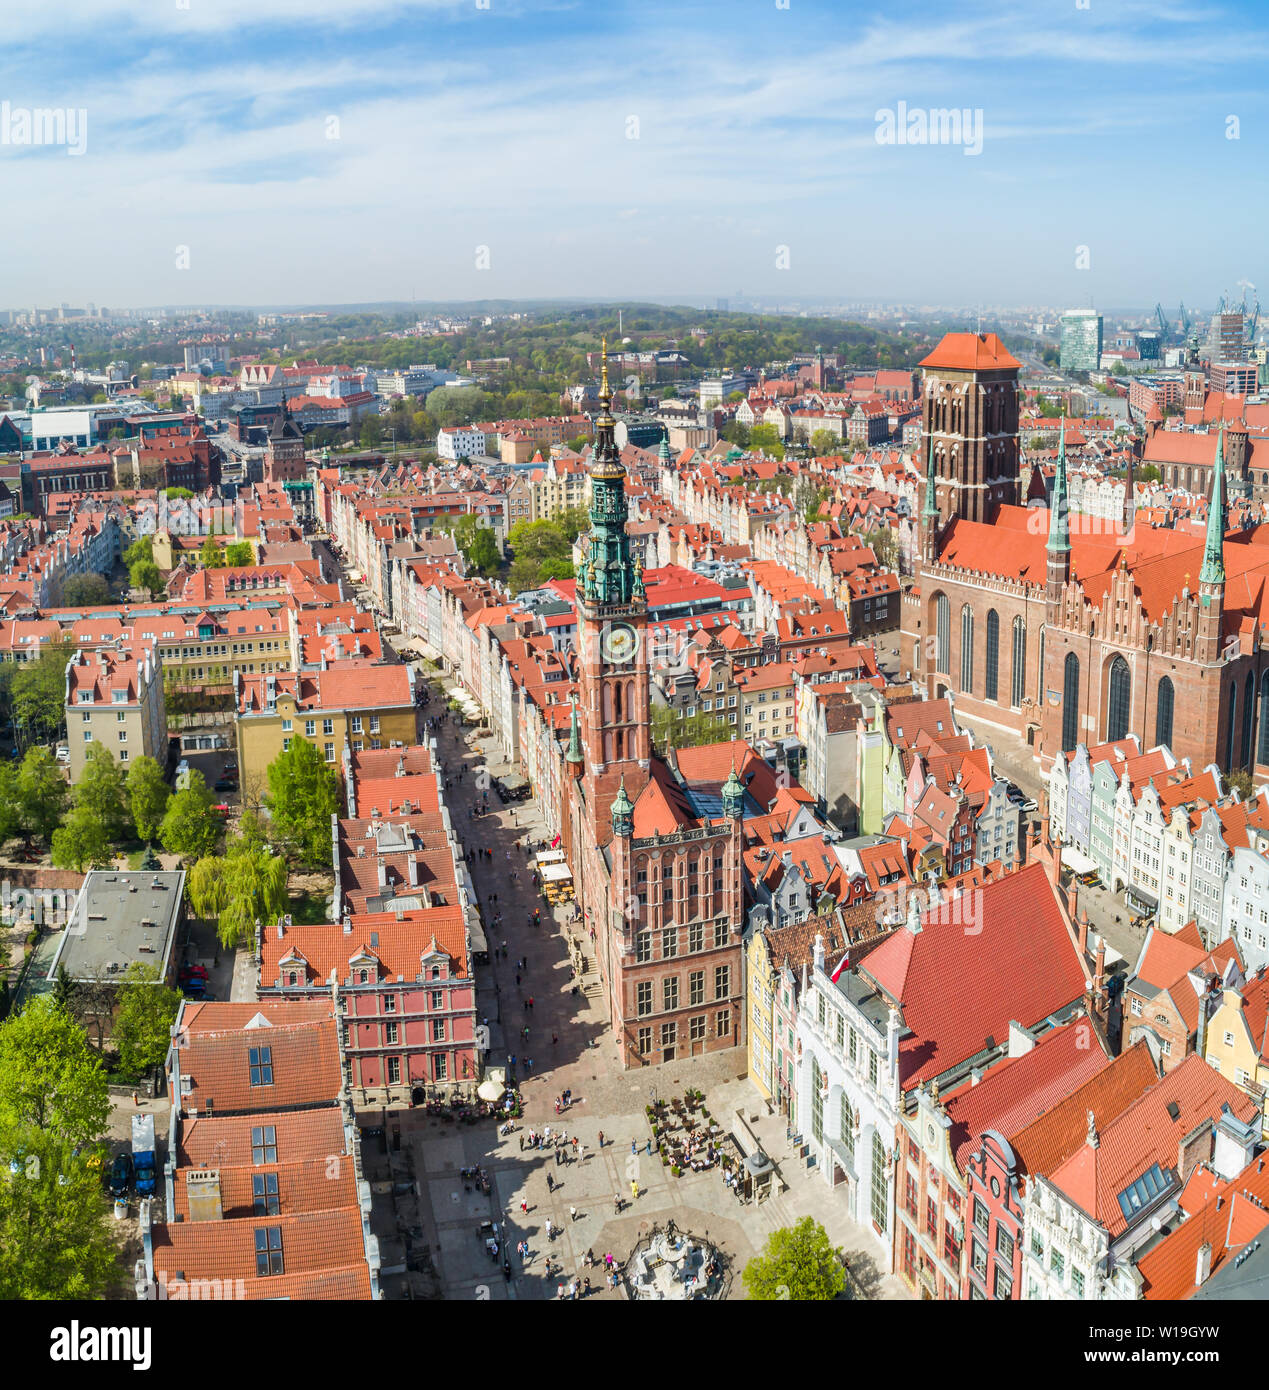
(967, 649)
(1070, 702)
(993, 655)
(1163, 713)
(1249, 718)
(1262, 756)
(817, 1102)
(617, 692)
(1119, 703)
(879, 1204)
(1018, 669)
(846, 1122)
(943, 635)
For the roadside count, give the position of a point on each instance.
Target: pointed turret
(1059, 508)
(622, 812)
(733, 796)
(574, 759)
(1213, 571)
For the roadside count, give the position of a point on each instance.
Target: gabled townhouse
(1236, 1043)
(1089, 1220)
(1172, 990)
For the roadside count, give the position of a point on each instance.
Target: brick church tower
(970, 423)
(284, 451)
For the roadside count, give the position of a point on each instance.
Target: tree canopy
(142, 1027)
(797, 1263)
(43, 793)
(86, 591)
(190, 827)
(50, 1077)
(39, 691)
(239, 553)
(148, 795)
(303, 795)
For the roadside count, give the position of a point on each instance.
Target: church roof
(973, 352)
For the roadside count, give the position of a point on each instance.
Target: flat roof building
(120, 918)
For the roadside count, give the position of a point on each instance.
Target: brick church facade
(1063, 634)
(655, 844)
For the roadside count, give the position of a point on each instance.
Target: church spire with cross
(609, 576)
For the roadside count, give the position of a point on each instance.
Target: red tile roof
(1008, 944)
(970, 352)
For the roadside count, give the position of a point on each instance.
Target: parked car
(226, 784)
(222, 809)
(63, 754)
(119, 1183)
(193, 972)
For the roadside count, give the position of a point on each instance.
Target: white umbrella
(490, 1090)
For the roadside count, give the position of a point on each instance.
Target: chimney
(1099, 969)
(1203, 1265)
(1056, 864)
(347, 923)
(818, 952)
(412, 868)
(279, 931)
(1072, 900)
(1084, 934)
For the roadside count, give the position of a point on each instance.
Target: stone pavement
(605, 1097)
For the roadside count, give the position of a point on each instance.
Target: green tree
(1240, 781)
(147, 1010)
(211, 556)
(766, 438)
(85, 591)
(81, 843)
(482, 554)
(206, 889)
(798, 1263)
(190, 827)
(140, 549)
(56, 1237)
(42, 793)
(303, 795)
(1148, 474)
(255, 878)
(39, 691)
(825, 442)
(240, 553)
(102, 791)
(50, 1077)
(542, 550)
(148, 795)
(177, 494)
(145, 574)
(885, 546)
(370, 436)
(10, 804)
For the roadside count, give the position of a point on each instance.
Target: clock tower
(612, 612)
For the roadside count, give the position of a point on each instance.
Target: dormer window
(363, 977)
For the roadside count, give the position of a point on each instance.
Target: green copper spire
(1059, 507)
(1213, 571)
(609, 574)
(622, 812)
(574, 754)
(733, 796)
(931, 508)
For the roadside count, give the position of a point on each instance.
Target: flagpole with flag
(843, 964)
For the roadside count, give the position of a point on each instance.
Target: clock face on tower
(618, 642)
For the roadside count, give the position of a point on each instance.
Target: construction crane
(1185, 321)
(1252, 320)
(1164, 326)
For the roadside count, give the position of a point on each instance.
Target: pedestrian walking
(530, 1006)
(517, 979)
(572, 1288)
(528, 1065)
(550, 1230)
(634, 1148)
(524, 1207)
(557, 1105)
(585, 1286)
(601, 1138)
(581, 1152)
(555, 1037)
(575, 1143)
(136, 1099)
(572, 1213)
(559, 1292)
(557, 1158)
(550, 1183)
(634, 1189)
(649, 1143)
(522, 1143)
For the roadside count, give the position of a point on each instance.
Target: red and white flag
(555, 843)
(843, 964)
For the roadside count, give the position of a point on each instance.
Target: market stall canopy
(555, 873)
(1077, 862)
(490, 1090)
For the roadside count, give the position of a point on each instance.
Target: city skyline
(625, 153)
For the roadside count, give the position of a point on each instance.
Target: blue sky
(327, 151)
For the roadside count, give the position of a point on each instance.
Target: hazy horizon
(258, 152)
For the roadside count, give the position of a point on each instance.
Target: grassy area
(309, 907)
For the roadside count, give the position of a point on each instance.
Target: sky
(341, 151)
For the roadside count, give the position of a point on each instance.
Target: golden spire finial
(604, 392)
